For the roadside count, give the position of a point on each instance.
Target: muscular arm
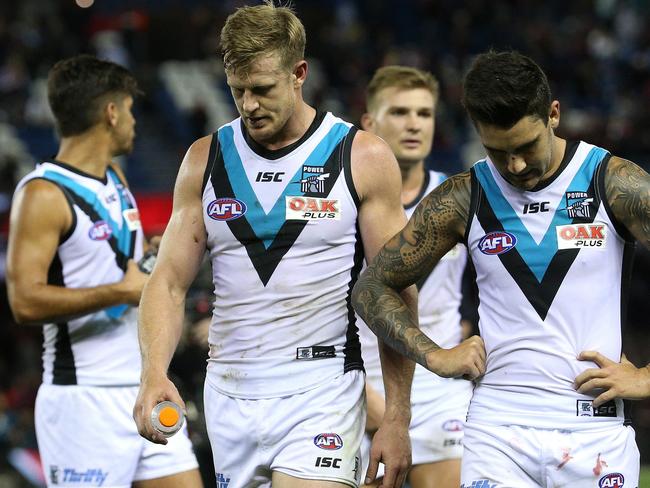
(40, 217)
(436, 226)
(627, 189)
(378, 182)
(181, 250)
(162, 306)
(381, 215)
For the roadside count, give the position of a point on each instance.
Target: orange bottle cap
(168, 416)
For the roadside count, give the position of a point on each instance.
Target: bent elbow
(24, 314)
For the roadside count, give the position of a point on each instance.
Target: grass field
(644, 480)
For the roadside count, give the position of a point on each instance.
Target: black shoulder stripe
(346, 157)
(475, 198)
(120, 258)
(64, 371)
(352, 349)
(601, 172)
(212, 156)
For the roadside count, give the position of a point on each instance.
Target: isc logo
(329, 441)
(267, 176)
(497, 242)
(100, 231)
(612, 480)
(226, 209)
(328, 462)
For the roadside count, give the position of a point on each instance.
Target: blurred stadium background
(596, 53)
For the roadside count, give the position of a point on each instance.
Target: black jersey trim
(475, 198)
(120, 258)
(626, 279)
(352, 348)
(64, 371)
(265, 261)
(569, 152)
(601, 173)
(539, 294)
(273, 154)
(212, 156)
(69, 167)
(423, 191)
(346, 160)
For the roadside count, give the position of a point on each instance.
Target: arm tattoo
(436, 226)
(627, 187)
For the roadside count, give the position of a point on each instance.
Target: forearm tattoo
(628, 192)
(436, 226)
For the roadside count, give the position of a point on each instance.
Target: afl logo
(453, 425)
(100, 231)
(328, 441)
(612, 480)
(497, 242)
(226, 209)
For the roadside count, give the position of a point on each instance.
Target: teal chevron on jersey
(536, 256)
(121, 233)
(266, 226)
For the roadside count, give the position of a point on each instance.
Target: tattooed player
(550, 225)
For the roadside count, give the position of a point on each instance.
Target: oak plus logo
(579, 236)
(309, 208)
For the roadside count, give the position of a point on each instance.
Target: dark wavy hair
(501, 88)
(78, 87)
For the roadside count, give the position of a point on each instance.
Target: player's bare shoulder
(448, 204)
(195, 163)
(34, 197)
(373, 164)
(627, 188)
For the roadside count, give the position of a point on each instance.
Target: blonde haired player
(287, 200)
(401, 103)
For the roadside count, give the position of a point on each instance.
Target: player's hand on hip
(467, 359)
(614, 380)
(133, 282)
(392, 446)
(153, 391)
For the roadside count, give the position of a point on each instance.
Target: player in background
(75, 238)
(401, 103)
(549, 224)
(287, 200)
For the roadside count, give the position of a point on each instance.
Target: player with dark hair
(550, 225)
(75, 238)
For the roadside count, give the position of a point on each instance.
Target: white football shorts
(516, 456)
(312, 435)
(87, 437)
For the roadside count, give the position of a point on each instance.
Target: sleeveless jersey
(551, 272)
(284, 244)
(439, 296)
(100, 348)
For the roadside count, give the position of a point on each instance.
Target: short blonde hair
(401, 77)
(260, 30)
